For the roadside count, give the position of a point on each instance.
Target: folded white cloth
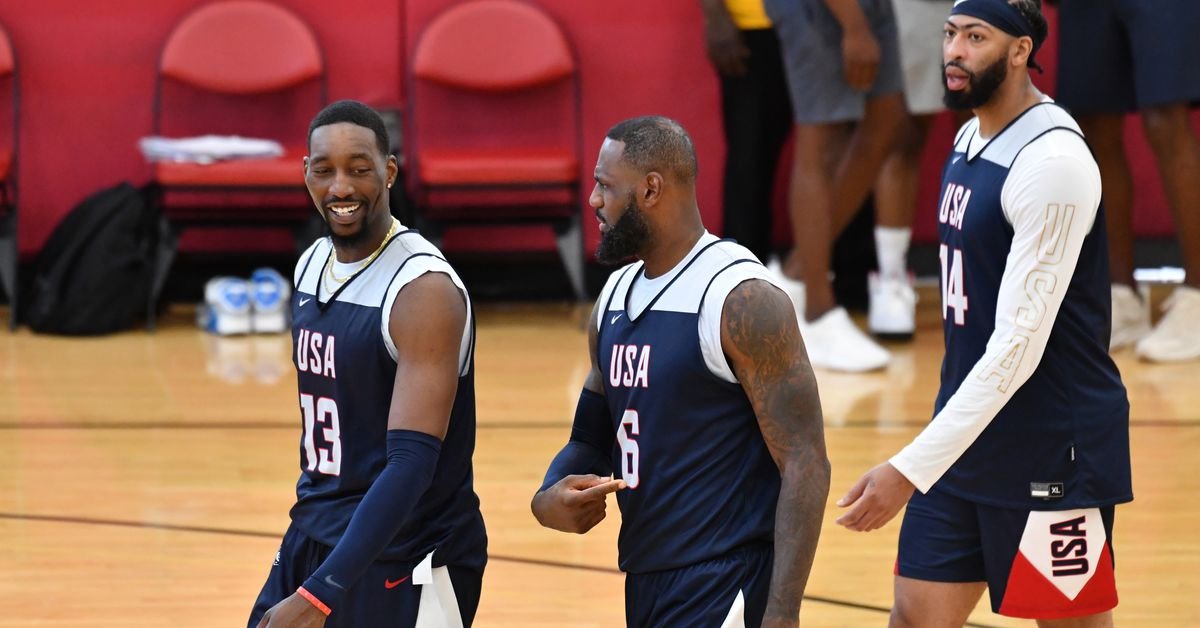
(207, 149)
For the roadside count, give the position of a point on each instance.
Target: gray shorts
(811, 41)
(919, 24)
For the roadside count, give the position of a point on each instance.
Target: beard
(980, 87)
(361, 235)
(629, 236)
(349, 241)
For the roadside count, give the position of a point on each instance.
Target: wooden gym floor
(147, 478)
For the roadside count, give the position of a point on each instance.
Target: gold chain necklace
(329, 274)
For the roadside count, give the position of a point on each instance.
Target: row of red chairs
(479, 71)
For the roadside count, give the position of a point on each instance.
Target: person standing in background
(756, 115)
(893, 301)
(843, 69)
(1117, 57)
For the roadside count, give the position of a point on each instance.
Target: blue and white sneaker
(226, 309)
(269, 301)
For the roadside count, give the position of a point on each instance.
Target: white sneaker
(794, 289)
(1130, 316)
(893, 307)
(226, 309)
(835, 343)
(269, 299)
(1176, 338)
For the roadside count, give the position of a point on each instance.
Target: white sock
(891, 247)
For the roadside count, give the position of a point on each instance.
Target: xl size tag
(1046, 490)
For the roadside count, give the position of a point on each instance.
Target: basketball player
(1028, 451)
(700, 399)
(386, 530)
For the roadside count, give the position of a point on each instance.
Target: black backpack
(94, 274)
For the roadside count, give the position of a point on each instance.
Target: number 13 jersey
(346, 366)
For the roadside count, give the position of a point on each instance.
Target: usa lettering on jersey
(954, 205)
(629, 366)
(314, 353)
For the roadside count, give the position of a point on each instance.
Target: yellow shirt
(748, 14)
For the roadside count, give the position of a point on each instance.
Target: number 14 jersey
(1027, 377)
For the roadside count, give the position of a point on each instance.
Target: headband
(1004, 16)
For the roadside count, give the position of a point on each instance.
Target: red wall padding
(87, 73)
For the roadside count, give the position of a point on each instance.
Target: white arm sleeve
(1051, 199)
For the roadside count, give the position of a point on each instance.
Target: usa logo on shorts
(1063, 567)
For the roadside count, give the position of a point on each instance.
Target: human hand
(726, 48)
(860, 58)
(875, 498)
(575, 503)
(293, 612)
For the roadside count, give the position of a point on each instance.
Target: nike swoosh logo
(303, 301)
(331, 582)
(614, 320)
(392, 584)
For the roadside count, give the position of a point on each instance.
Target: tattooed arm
(763, 345)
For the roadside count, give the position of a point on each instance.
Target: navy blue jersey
(345, 361)
(701, 481)
(1061, 441)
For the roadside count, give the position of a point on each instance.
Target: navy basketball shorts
(1115, 56)
(725, 592)
(385, 596)
(1037, 564)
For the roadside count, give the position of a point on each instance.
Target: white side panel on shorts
(439, 605)
(737, 614)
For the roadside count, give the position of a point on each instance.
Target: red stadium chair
(494, 124)
(235, 67)
(10, 98)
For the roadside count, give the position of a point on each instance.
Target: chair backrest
(242, 47)
(493, 45)
(9, 95)
(492, 74)
(8, 63)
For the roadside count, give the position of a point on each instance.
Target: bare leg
(810, 202)
(873, 140)
(823, 200)
(896, 189)
(1169, 131)
(1105, 133)
(933, 604)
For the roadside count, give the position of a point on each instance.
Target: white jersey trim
(687, 298)
(1051, 198)
(382, 281)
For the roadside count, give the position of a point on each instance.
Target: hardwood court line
(275, 535)
(147, 425)
(499, 425)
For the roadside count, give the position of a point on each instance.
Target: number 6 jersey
(701, 482)
(1031, 413)
(346, 366)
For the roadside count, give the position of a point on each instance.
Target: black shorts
(385, 596)
(1037, 564)
(711, 594)
(1117, 56)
